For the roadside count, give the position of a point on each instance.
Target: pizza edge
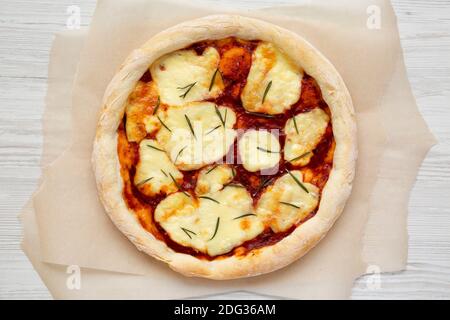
(334, 196)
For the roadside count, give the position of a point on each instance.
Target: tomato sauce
(234, 67)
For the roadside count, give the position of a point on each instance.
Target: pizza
(225, 147)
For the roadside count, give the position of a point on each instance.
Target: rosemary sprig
(266, 91)
(144, 182)
(268, 151)
(289, 204)
(153, 147)
(158, 103)
(299, 157)
(297, 181)
(164, 173)
(178, 186)
(188, 232)
(259, 114)
(213, 129)
(179, 154)
(295, 125)
(163, 124)
(188, 87)
(190, 125)
(245, 215)
(213, 168)
(214, 79)
(217, 228)
(209, 198)
(219, 115)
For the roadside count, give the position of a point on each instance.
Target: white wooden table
(26, 33)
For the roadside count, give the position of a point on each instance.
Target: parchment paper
(74, 229)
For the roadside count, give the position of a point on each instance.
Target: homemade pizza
(225, 147)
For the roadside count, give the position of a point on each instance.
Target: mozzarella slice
(259, 150)
(184, 76)
(154, 171)
(213, 224)
(139, 111)
(273, 83)
(178, 215)
(285, 203)
(213, 178)
(302, 139)
(195, 134)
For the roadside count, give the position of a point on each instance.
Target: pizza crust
(334, 195)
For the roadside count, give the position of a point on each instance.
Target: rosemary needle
(213, 168)
(190, 125)
(289, 204)
(158, 103)
(245, 215)
(234, 185)
(263, 183)
(266, 150)
(213, 129)
(153, 147)
(209, 198)
(259, 114)
(217, 228)
(144, 182)
(188, 87)
(219, 115)
(163, 124)
(214, 79)
(179, 154)
(295, 124)
(188, 232)
(266, 91)
(299, 157)
(178, 186)
(297, 181)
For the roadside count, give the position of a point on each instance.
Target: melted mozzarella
(213, 178)
(285, 203)
(154, 169)
(259, 150)
(212, 225)
(139, 111)
(206, 142)
(299, 145)
(176, 72)
(178, 215)
(271, 67)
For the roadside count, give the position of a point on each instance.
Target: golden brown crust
(334, 195)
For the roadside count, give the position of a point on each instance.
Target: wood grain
(26, 34)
